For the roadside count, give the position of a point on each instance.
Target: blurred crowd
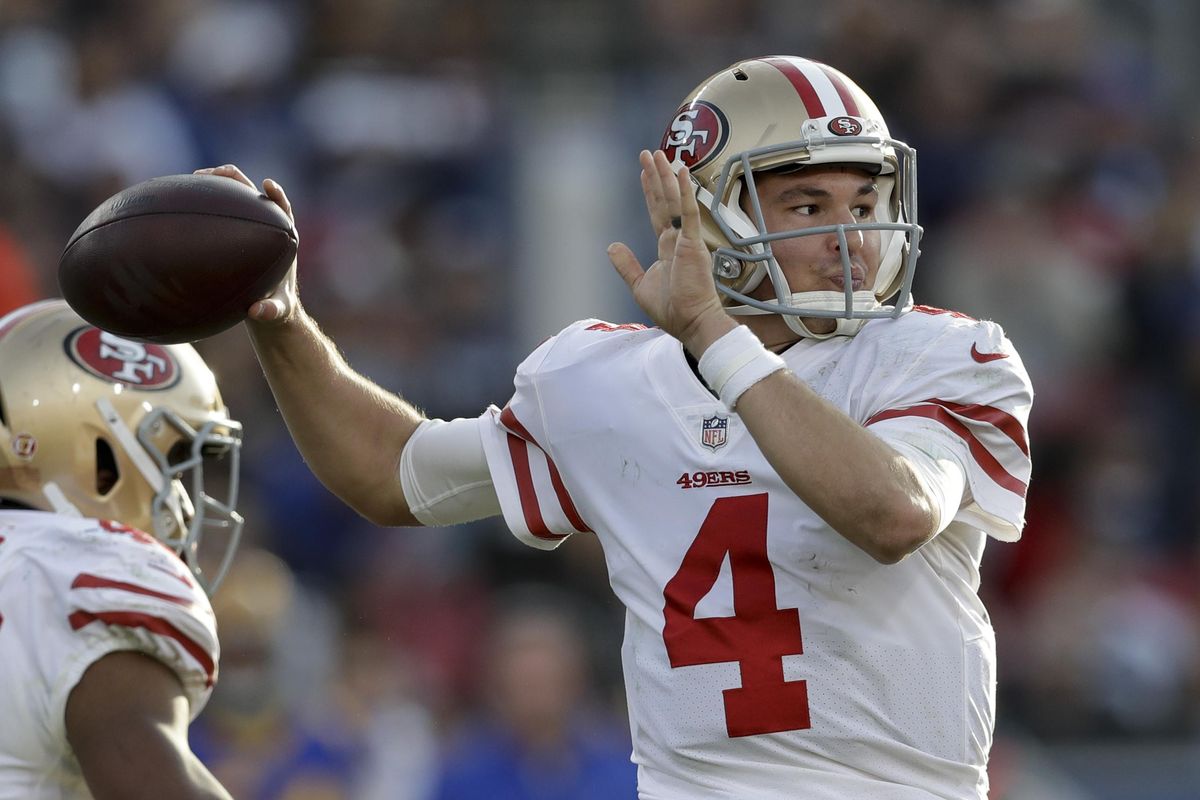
(449, 162)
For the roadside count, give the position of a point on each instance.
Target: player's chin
(819, 325)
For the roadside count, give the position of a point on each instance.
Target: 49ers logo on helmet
(845, 126)
(145, 366)
(696, 134)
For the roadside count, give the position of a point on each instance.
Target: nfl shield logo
(712, 432)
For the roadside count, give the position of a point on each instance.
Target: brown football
(176, 258)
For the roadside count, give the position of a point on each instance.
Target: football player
(108, 645)
(793, 475)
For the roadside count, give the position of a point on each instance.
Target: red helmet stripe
(808, 93)
(842, 89)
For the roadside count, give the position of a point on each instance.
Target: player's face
(811, 197)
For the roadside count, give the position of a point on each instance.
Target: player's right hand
(282, 302)
(677, 291)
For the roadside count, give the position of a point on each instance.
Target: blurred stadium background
(458, 167)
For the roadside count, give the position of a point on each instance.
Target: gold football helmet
(99, 426)
(781, 113)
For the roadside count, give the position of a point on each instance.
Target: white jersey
(765, 656)
(71, 591)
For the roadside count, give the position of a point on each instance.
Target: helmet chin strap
(817, 301)
(58, 500)
(841, 327)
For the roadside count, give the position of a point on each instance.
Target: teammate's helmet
(99, 426)
(777, 112)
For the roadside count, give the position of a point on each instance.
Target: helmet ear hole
(87, 419)
(107, 472)
(180, 451)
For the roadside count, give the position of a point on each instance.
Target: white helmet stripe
(839, 85)
(831, 98)
(820, 90)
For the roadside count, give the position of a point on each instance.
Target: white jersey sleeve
(444, 473)
(965, 400)
(537, 506)
(72, 591)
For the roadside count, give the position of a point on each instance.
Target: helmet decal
(109, 357)
(696, 135)
(845, 126)
(24, 445)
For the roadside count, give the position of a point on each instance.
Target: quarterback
(108, 645)
(793, 474)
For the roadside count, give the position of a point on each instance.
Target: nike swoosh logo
(983, 358)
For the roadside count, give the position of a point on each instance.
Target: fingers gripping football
(282, 302)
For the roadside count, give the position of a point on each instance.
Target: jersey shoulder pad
(953, 354)
(587, 339)
(123, 590)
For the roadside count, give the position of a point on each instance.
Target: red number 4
(757, 636)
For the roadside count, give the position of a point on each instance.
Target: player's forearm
(862, 488)
(350, 431)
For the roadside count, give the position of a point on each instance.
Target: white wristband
(735, 362)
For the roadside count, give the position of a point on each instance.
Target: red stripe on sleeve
(812, 103)
(129, 619)
(1006, 423)
(994, 469)
(85, 580)
(564, 499)
(843, 91)
(526, 491)
(509, 420)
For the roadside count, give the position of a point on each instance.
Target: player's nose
(853, 237)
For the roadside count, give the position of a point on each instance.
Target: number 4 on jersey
(757, 636)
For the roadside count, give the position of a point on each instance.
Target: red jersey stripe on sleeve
(1006, 423)
(86, 580)
(518, 452)
(157, 625)
(994, 469)
(564, 499)
(509, 420)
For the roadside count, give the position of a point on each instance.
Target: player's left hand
(677, 292)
